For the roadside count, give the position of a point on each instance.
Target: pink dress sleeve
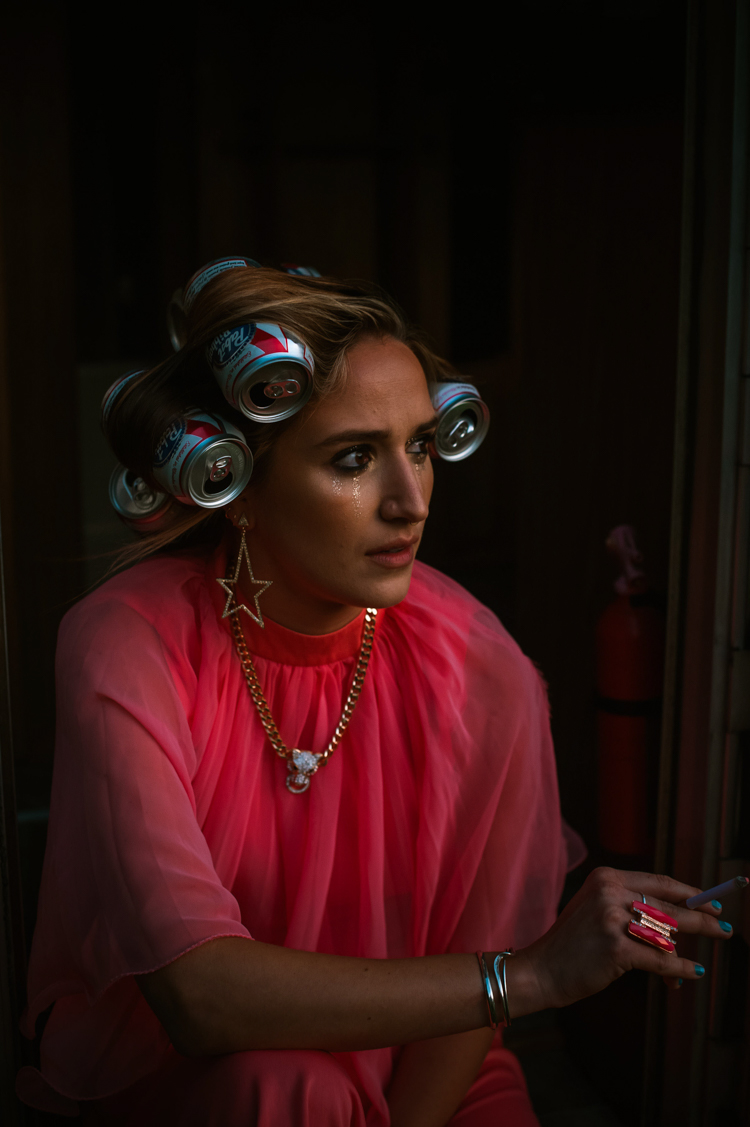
(128, 883)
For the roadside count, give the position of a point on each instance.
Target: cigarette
(719, 890)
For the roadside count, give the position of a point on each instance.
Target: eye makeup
(346, 461)
(421, 454)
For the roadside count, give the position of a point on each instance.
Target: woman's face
(337, 517)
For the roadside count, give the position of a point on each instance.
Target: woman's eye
(355, 459)
(419, 446)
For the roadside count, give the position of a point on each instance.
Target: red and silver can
(263, 370)
(113, 391)
(210, 271)
(300, 271)
(463, 420)
(140, 507)
(182, 299)
(203, 460)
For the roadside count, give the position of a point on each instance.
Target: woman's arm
(432, 1078)
(234, 994)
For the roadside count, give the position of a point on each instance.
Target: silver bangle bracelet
(499, 969)
(489, 993)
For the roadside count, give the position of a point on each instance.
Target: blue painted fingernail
(699, 970)
(715, 904)
(724, 925)
(679, 982)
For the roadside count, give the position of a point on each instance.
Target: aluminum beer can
(140, 507)
(210, 271)
(300, 271)
(177, 321)
(263, 370)
(112, 392)
(203, 460)
(182, 299)
(463, 420)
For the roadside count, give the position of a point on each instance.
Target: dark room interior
(558, 198)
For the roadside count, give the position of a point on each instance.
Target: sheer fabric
(300, 1087)
(434, 827)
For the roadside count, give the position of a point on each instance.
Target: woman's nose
(407, 492)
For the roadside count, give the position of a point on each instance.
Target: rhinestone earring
(229, 584)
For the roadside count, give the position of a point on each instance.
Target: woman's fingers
(696, 922)
(590, 945)
(689, 922)
(664, 888)
(669, 966)
(667, 895)
(639, 953)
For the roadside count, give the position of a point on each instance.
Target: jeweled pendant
(302, 766)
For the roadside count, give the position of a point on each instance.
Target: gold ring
(652, 926)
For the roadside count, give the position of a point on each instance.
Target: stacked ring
(652, 926)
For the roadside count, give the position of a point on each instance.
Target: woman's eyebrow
(354, 436)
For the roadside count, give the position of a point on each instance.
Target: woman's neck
(302, 613)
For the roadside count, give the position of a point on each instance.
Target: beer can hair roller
(264, 371)
(140, 507)
(463, 420)
(182, 299)
(202, 460)
(113, 392)
(300, 271)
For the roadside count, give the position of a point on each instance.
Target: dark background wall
(519, 196)
(516, 187)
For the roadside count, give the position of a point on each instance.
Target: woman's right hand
(588, 946)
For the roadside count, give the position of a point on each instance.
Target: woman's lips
(399, 555)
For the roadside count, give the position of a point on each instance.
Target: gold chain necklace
(302, 765)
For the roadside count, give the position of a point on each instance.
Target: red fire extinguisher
(629, 680)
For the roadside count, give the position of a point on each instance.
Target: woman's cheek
(427, 478)
(347, 492)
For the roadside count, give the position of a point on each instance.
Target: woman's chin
(389, 589)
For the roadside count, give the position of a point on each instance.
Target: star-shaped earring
(228, 585)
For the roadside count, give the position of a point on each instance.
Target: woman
(222, 948)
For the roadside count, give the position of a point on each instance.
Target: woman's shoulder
(458, 649)
(165, 593)
(432, 593)
(446, 616)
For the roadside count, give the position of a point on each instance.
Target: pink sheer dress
(434, 827)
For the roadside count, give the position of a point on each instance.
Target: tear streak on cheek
(356, 497)
(337, 486)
